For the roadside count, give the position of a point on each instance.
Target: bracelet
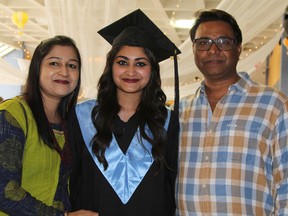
(66, 213)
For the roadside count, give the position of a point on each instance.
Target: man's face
(215, 63)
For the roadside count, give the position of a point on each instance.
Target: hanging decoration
(285, 43)
(285, 26)
(20, 18)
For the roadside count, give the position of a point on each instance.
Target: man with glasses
(233, 156)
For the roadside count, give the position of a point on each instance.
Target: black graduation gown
(153, 197)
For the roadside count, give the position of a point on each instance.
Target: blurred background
(25, 23)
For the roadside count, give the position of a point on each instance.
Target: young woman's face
(59, 72)
(131, 70)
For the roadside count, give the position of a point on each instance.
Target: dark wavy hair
(152, 110)
(216, 15)
(32, 94)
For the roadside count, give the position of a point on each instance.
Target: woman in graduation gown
(128, 162)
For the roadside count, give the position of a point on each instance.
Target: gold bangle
(66, 213)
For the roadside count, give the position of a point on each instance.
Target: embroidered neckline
(65, 152)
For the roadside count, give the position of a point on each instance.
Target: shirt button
(207, 158)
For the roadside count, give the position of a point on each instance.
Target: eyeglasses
(204, 44)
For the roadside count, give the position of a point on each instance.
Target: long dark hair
(152, 110)
(216, 15)
(32, 94)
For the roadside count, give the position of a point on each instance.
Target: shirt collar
(242, 86)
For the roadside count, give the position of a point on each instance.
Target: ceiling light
(181, 23)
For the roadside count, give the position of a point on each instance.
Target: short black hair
(216, 15)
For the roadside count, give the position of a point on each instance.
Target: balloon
(20, 18)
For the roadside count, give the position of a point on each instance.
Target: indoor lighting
(181, 23)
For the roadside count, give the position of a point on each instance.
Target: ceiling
(161, 12)
(34, 31)
(259, 20)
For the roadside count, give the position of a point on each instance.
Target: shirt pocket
(242, 142)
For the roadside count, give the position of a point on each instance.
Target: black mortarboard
(136, 29)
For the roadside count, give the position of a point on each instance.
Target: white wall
(9, 91)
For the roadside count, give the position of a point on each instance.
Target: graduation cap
(136, 29)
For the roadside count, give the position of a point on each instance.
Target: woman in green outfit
(35, 158)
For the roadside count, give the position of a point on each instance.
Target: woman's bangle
(66, 213)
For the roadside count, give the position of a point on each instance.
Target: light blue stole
(125, 171)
